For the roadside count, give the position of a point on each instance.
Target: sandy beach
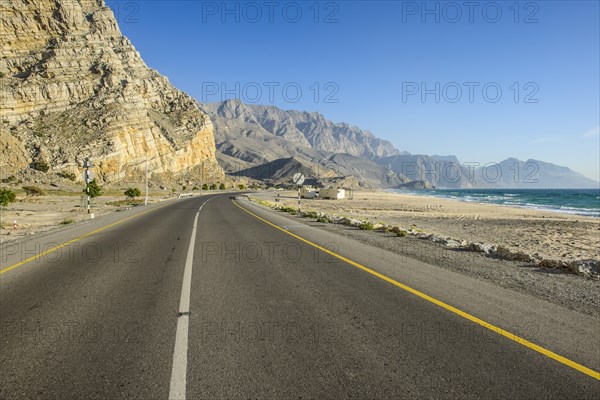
(546, 235)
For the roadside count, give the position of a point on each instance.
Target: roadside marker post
(88, 176)
(146, 198)
(298, 180)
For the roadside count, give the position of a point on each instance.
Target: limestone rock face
(72, 86)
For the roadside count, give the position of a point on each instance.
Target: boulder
(436, 239)
(452, 244)
(480, 247)
(506, 254)
(378, 226)
(399, 231)
(335, 219)
(354, 222)
(553, 264)
(589, 268)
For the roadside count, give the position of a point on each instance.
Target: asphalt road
(216, 303)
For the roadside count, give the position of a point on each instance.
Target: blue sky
(483, 82)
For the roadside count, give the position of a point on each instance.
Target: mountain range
(271, 144)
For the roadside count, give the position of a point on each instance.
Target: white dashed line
(177, 390)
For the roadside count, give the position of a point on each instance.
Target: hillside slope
(72, 86)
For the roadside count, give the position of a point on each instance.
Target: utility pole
(146, 200)
(88, 176)
(1, 237)
(201, 176)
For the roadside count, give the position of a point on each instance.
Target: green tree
(205, 187)
(131, 193)
(222, 186)
(6, 197)
(241, 187)
(95, 189)
(213, 186)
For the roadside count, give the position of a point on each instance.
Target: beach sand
(543, 234)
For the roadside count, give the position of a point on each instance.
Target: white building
(334, 194)
(308, 193)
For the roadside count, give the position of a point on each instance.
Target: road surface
(199, 299)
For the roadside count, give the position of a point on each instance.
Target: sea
(585, 202)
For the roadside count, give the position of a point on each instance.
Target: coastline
(557, 238)
(514, 199)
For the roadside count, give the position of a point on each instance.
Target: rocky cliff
(72, 86)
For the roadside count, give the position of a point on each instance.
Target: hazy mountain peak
(450, 158)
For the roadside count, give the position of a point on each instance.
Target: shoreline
(578, 212)
(543, 238)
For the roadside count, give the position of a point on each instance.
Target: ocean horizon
(584, 202)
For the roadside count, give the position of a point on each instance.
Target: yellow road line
(53, 249)
(491, 327)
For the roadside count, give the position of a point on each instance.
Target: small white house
(308, 193)
(334, 194)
